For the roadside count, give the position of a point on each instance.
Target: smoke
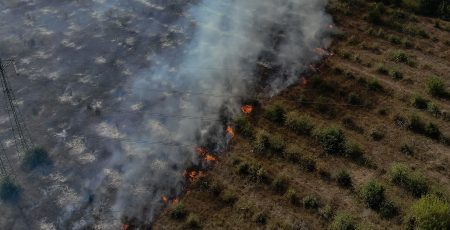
(165, 76)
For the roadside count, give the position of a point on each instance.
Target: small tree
(344, 179)
(332, 140)
(430, 213)
(435, 86)
(343, 221)
(178, 211)
(275, 113)
(372, 193)
(300, 124)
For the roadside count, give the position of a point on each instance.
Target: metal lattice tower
(20, 133)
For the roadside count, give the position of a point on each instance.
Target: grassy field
(358, 145)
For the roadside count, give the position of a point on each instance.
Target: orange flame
(247, 109)
(175, 201)
(230, 131)
(193, 175)
(303, 81)
(124, 227)
(210, 158)
(165, 199)
(204, 154)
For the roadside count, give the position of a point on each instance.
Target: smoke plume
(121, 92)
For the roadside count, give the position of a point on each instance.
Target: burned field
(359, 142)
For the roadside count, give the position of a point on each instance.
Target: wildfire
(204, 154)
(321, 52)
(194, 176)
(124, 227)
(303, 81)
(247, 109)
(165, 199)
(230, 131)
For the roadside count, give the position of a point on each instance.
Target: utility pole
(21, 136)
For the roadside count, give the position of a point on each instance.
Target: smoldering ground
(120, 93)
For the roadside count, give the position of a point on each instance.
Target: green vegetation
(343, 179)
(178, 211)
(310, 202)
(430, 212)
(436, 87)
(388, 209)
(280, 184)
(344, 221)
(417, 125)
(354, 99)
(292, 197)
(300, 124)
(401, 57)
(402, 175)
(372, 194)
(332, 140)
(275, 113)
(229, 198)
(244, 127)
(419, 102)
(261, 218)
(192, 221)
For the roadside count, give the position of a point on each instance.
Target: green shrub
(353, 150)
(293, 154)
(377, 135)
(9, 190)
(332, 140)
(436, 87)
(275, 113)
(349, 123)
(279, 184)
(433, 109)
(406, 149)
(402, 175)
(374, 16)
(343, 221)
(35, 157)
(354, 99)
(419, 102)
(382, 70)
(229, 198)
(344, 179)
(374, 85)
(216, 189)
(310, 202)
(401, 57)
(432, 131)
(416, 124)
(394, 39)
(323, 87)
(308, 163)
(372, 194)
(430, 213)
(326, 212)
(388, 209)
(396, 74)
(178, 211)
(276, 144)
(292, 197)
(192, 221)
(261, 218)
(261, 143)
(300, 124)
(244, 127)
(407, 44)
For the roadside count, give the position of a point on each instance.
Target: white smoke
(210, 52)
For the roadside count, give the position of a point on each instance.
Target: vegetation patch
(430, 212)
(401, 175)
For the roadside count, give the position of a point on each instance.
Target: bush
(401, 57)
(35, 157)
(192, 221)
(374, 85)
(292, 197)
(178, 211)
(372, 193)
(244, 127)
(419, 102)
(332, 140)
(261, 143)
(354, 99)
(293, 154)
(276, 144)
(344, 179)
(229, 198)
(9, 190)
(436, 87)
(377, 135)
(403, 176)
(382, 70)
(374, 16)
(279, 184)
(406, 149)
(416, 124)
(300, 124)
(433, 109)
(343, 221)
(430, 213)
(308, 163)
(353, 150)
(432, 131)
(327, 212)
(275, 113)
(261, 218)
(388, 209)
(310, 202)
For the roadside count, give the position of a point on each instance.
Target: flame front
(230, 131)
(124, 227)
(247, 109)
(193, 176)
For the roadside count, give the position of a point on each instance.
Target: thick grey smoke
(161, 76)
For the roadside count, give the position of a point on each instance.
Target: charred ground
(359, 143)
